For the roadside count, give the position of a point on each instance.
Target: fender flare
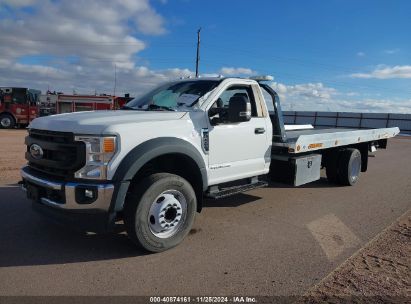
(145, 152)
(10, 114)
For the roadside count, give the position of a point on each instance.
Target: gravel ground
(378, 273)
(12, 155)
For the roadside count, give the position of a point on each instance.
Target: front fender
(145, 152)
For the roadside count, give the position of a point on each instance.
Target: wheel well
(175, 163)
(8, 114)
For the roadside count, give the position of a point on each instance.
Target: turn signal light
(109, 145)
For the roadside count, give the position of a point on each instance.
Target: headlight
(99, 152)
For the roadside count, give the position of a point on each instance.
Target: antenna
(198, 51)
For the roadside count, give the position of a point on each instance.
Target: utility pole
(198, 51)
(115, 79)
(48, 78)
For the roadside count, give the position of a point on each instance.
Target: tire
(7, 121)
(349, 167)
(159, 211)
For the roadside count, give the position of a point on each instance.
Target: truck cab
(153, 162)
(18, 106)
(239, 132)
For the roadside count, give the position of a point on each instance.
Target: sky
(335, 55)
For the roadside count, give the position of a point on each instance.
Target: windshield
(172, 96)
(35, 95)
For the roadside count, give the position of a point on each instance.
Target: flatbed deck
(300, 141)
(293, 135)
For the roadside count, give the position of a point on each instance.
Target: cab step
(215, 192)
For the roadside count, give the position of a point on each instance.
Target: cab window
(218, 111)
(19, 96)
(268, 100)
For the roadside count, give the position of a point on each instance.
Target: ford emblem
(36, 151)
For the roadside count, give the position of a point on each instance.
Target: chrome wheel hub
(5, 122)
(356, 167)
(167, 213)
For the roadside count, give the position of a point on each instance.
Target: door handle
(259, 131)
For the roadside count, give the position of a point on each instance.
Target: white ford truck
(153, 162)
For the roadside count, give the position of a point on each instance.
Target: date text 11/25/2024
(203, 299)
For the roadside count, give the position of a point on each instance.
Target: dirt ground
(378, 273)
(12, 155)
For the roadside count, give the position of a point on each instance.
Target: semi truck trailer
(153, 163)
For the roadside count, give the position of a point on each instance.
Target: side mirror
(239, 109)
(214, 111)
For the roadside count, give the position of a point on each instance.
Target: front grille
(62, 156)
(52, 136)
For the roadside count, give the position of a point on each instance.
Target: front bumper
(64, 202)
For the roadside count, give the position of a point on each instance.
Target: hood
(95, 122)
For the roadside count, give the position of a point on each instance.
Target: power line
(348, 85)
(254, 58)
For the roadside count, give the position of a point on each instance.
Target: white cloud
(318, 97)
(386, 72)
(77, 44)
(231, 71)
(151, 23)
(391, 51)
(17, 3)
(280, 88)
(360, 54)
(310, 90)
(304, 91)
(86, 78)
(341, 104)
(84, 28)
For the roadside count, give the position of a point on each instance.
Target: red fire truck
(18, 106)
(76, 103)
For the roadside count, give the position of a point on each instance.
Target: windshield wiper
(153, 106)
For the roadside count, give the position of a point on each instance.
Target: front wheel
(159, 211)
(7, 121)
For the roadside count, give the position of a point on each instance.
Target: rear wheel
(349, 166)
(7, 121)
(159, 211)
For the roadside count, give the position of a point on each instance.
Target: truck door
(18, 106)
(32, 109)
(236, 149)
